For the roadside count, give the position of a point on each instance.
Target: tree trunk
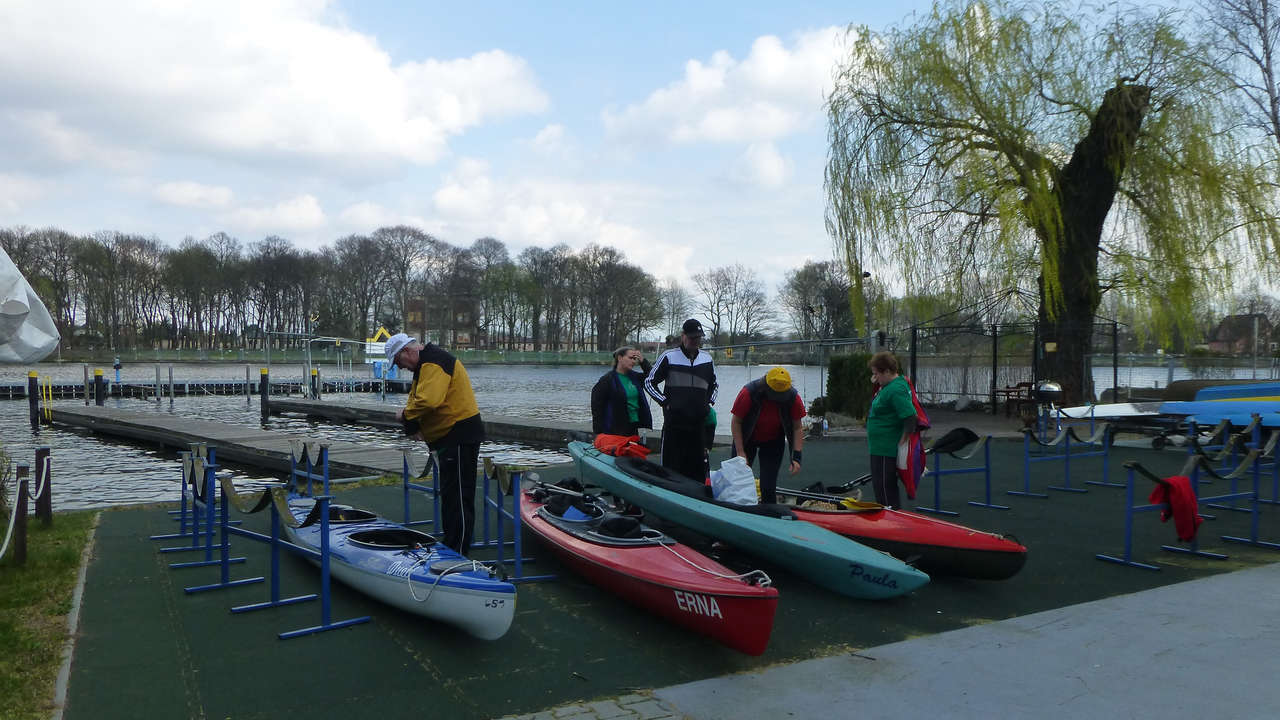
(1085, 191)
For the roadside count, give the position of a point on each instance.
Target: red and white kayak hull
(663, 579)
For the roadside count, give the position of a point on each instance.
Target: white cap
(395, 344)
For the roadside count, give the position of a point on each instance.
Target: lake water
(95, 471)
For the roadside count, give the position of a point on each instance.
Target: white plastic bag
(736, 483)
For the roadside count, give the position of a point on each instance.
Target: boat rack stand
(408, 476)
(501, 481)
(188, 526)
(196, 520)
(1101, 437)
(1265, 459)
(983, 445)
(1192, 468)
(316, 457)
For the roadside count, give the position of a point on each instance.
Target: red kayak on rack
(648, 568)
(934, 546)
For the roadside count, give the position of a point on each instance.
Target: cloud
(550, 139)
(774, 92)
(264, 82)
(364, 217)
(300, 213)
(193, 194)
(545, 212)
(761, 164)
(16, 191)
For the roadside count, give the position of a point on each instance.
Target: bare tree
(1247, 32)
(676, 305)
(715, 288)
(405, 247)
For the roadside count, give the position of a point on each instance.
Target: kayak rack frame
(499, 482)
(316, 457)
(408, 478)
(1192, 468)
(1101, 435)
(983, 444)
(196, 522)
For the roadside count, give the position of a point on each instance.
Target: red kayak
(934, 546)
(650, 569)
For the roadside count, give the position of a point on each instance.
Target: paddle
(843, 502)
(857, 482)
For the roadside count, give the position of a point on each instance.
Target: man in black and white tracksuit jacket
(683, 382)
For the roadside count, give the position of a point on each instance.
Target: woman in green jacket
(891, 419)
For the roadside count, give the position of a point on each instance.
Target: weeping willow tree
(997, 144)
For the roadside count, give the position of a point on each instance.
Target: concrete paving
(1202, 648)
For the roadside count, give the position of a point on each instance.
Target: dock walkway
(254, 447)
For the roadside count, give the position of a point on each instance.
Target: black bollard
(33, 399)
(99, 388)
(264, 392)
(44, 481)
(20, 518)
(315, 383)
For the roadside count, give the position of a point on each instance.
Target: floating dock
(271, 449)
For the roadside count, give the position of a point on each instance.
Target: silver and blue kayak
(408, 569)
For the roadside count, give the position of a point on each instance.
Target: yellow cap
(778, 379)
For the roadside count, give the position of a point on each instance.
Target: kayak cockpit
(391, 538)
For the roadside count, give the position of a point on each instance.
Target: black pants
(770, 464)
(884, 480)
(458, 494)
(684, 451)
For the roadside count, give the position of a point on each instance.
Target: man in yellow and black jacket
(442, 412)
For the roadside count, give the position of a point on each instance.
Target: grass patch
(34, 601)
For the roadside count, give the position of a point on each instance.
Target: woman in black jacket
(618, 402)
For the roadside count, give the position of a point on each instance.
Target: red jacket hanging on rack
(1180, 502)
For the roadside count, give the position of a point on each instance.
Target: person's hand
(400, 415)
(795, 467)
(636, 356)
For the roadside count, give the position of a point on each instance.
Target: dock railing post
(158, 390)
(20, 517)
(33, 399)
(86, 385)
(264, 393)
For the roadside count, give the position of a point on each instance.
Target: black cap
(692, 327)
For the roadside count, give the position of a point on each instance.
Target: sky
(687, 135)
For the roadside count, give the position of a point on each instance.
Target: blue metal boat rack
(314, 457)
(196, 522)
(408, 477)
(501, 481)
(1194, 465)
(1101, 436)
(983, 445)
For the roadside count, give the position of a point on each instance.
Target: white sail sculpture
(27, 332)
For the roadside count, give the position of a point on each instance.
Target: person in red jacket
(766, 417)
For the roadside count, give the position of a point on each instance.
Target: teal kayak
(821, 556)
